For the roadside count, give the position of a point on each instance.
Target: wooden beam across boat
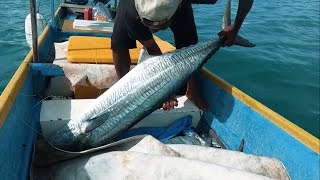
(68, 25)
(47, 69)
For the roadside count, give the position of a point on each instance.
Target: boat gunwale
(12, 89)
(292, 129)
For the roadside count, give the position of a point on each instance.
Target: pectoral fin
(144, 55)
(93, 123)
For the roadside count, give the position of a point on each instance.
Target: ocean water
(282, 71)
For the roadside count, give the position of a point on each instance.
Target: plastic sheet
(100, 13)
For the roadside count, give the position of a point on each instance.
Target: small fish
(137, 94)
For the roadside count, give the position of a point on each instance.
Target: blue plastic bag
(180, 126)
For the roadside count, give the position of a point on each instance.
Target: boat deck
(272, 147)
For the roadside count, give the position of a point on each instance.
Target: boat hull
(232, 114)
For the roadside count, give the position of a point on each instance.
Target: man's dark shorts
(127, 30)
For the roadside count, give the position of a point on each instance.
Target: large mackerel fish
(137, 94)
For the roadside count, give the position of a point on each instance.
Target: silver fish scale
(140, 103)
(136, 95)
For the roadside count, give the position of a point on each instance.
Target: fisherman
(139, 19)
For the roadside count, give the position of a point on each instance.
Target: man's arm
(121, 58)
(151, 46)
(243, 9)
(230, 33)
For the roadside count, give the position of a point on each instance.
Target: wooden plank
(68, 26)
(80, 8)
(90, 25)
(75, 7)
(47, 69)
(68, 5)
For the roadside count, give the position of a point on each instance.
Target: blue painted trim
(233, 120)
(47, 69)
(35, 124)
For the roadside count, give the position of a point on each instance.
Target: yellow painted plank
(292, 129)
(10, 93)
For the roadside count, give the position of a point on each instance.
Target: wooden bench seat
(56, 113)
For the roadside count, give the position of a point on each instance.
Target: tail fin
(240, 41)
(226, 21)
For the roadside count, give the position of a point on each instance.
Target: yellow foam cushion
(87, 49)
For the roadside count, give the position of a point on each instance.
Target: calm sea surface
(282, 71)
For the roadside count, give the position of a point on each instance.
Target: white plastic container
(41, 24)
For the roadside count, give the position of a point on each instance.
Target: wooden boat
(28, 110)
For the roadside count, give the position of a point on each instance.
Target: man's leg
(121, 42)
(185, 34)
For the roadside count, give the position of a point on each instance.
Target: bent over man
(138, 19)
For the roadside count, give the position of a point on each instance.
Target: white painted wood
(92, 25)
(161, 118)
(56, 113)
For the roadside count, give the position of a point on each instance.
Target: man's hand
(173, 102)
(152, 47)
(229, 35)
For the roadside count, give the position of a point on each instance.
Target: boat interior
(77, 69)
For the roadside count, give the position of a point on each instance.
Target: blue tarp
(180, 126)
